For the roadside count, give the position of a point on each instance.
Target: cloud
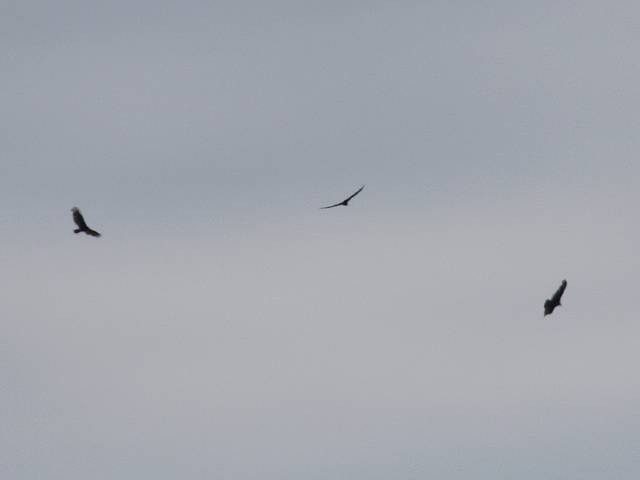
(224, 326)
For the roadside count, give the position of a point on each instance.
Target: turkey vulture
(554, 301)
(346, 201)
(82, 225)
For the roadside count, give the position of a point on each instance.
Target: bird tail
(93, 233)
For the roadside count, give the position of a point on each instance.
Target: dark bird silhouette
(82, 225)
(551, 303)
(346, 201)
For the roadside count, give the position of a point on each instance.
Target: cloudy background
(224, 327)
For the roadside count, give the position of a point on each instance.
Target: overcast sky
(223, 327)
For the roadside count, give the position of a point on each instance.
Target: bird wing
(331, 206)
(558, 295)
(79, 219)
(359, 190)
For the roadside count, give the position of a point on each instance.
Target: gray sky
(224, 327)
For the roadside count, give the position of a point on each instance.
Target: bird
(551, 303)
(82, 225)
(345, 202)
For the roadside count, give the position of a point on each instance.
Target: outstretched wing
(359, 190)
(558, 295)
(79, 219)
(331, 206)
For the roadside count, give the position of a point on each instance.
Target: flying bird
(82, 225)
(551, 303)
(346, 201)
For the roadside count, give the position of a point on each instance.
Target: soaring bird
(82, 225)
(551, 303)
(346, 201)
